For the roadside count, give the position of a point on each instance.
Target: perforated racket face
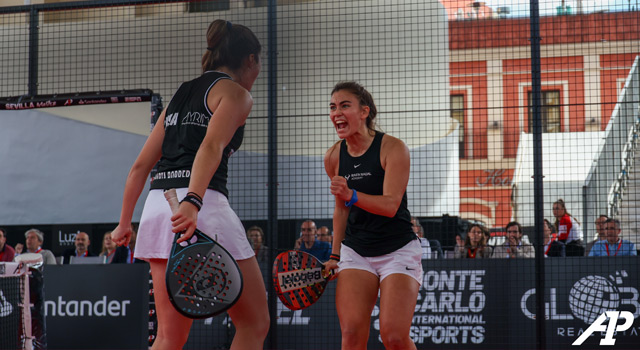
(297, 277)
(203, 280)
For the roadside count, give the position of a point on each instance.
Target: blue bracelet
(353, 200)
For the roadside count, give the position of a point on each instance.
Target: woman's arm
(340, 211)
(231, 104)
(137, 178)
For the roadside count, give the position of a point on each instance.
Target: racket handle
(172, 198)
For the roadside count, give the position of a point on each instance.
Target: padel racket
(203, 279)
(298, 279)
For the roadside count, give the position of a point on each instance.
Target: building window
(457, 113)
(550, 111)
(208, 6)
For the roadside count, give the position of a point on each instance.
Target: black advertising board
(462, 304)
(476, 304)
(97, 306)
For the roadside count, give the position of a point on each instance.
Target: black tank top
(185, 125)
(369, 234)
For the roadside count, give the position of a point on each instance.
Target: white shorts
(216, 219)
(406, 260)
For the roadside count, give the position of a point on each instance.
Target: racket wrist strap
(194, 200)
(354, 199)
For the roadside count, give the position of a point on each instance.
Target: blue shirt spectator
(309, 242)
(319, 249)
(613, 245)
(620, 248)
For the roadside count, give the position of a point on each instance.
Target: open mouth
(340, 125)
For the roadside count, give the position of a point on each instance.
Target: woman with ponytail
(568, 228)
(375, 250)
(192, 142)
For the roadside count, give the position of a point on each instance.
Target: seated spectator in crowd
(19, 248)
(568, 228)
(459, 241)
(419, 231)
(513, 247)
(114, 254)
(552, 247)
(33, 242)
(34, 239)
(602, 235)
(81, 249)
(325, 234)
(256, 238)
(132, 247)
(474, 245)
(7, 253)
(308, 242)
(613, 245)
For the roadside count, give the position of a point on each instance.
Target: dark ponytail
(228, 45)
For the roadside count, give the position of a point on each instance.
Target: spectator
(108, 247)
(568, 228)
(7, 253)
(308, 242)
(113, 253)
(132, 247)
(513, 247)
(613, 245)
(34, 239)
(255, 234)
(81, 249)
(459, 241)
(475, 245)
(602, 234)
(19, 248)
(552, 247)
(419, 231)
(325, 235)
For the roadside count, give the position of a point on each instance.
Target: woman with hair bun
(192, 142)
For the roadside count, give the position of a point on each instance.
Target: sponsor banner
(86, 305)
(482, 304)
(461, 304)
(75, 99)
(578, 291)
(64, 237)
(453, 307)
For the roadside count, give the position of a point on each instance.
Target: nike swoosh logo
(408, 269)
(356, 165)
